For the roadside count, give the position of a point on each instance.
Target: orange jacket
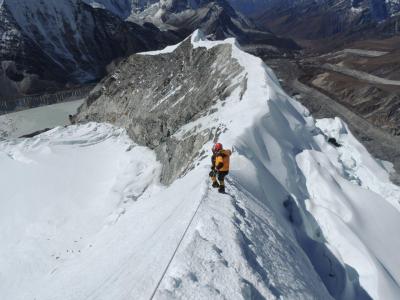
(222, 160)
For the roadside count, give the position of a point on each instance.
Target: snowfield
(83, 215)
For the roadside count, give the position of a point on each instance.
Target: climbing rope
(176, 250)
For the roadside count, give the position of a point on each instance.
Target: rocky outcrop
(154, 96)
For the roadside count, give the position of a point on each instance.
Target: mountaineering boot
(221, 189)
(215, 184)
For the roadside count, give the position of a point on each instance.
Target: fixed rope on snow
(175, 251)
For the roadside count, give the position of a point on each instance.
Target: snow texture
(84, 217)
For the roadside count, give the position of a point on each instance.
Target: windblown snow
(83, 215)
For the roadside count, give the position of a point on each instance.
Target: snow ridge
(295, 224)
(272, 140)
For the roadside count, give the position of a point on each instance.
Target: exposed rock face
(21, 60)
(154, 96)
(67, 41)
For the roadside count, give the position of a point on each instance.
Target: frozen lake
(27, 121)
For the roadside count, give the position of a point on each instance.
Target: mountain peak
(126, 209)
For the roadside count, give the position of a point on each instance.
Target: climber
(219, 166)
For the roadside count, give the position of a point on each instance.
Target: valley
(348, 83)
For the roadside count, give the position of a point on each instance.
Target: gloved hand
(219, 166)
(212, 173)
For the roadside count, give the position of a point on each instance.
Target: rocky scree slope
(67, 41)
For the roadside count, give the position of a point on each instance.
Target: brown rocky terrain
(360, 84)
(363, 80)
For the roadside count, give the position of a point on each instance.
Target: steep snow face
(269, 145)
(293, 200)
(353, 200)
(293, 224)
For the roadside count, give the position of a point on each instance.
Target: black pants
(221, 177)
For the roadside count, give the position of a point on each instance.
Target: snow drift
(302, 218)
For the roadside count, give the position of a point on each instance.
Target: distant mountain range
(50, 44)
(379, 9)
(315, 19)
(46, 44)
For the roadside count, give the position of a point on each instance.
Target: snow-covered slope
(90, 171)
(301, 220)
(356, 205)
